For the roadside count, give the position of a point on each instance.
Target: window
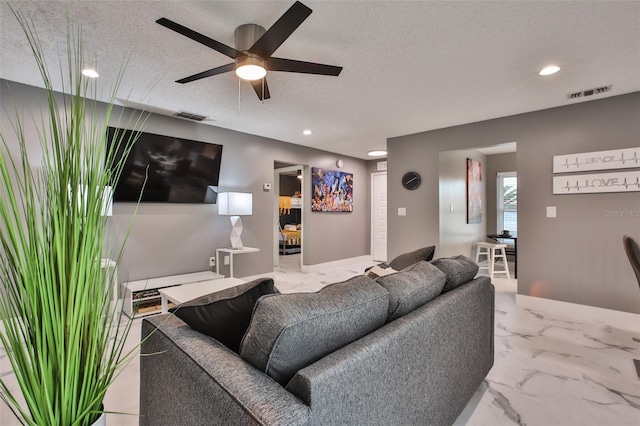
(508, 202)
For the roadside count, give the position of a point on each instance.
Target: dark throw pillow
(412, 287)
(413, 257)
(459, 269)
(225, 315)
(291, 331)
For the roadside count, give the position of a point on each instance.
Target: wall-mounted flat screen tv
(177, 170)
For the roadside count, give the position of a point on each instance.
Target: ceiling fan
(253, 50)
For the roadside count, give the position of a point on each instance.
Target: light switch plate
(551, 211)
(402, 211)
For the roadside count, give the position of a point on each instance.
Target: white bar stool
(492, 252)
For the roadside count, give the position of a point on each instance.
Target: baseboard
(335, 264)
(584, 313)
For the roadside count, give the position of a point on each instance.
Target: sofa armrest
(188, 378)
(421, 368)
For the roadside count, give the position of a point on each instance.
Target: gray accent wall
(576, 257)
(169, 239)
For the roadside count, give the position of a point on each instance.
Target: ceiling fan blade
(281, 30)
(208, 73)
(209, 42)
(290, 65)
(257, 86)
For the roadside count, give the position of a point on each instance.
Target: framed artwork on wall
(597, 182)
(601, 160)
(332, 191)
(474, 191)
(609, 181)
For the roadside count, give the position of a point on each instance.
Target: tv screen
(177, 170)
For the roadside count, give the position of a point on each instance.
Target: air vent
(589, 92)
(189, 116)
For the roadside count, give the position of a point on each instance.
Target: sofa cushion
(290, 331)
(459, 269)
(412, 287)
(408, 259)
(225, 315)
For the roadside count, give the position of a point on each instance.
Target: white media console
(142, 297)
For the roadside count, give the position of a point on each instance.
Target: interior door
(379, 216)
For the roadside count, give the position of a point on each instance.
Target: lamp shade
(82, 192)
(235, 203)
(107, 201)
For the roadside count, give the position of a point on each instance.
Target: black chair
(633, 252)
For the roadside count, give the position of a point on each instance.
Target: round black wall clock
(411, 180)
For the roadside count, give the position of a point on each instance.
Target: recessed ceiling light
(90, 72)
(376, 153)
(551, 69)
(307, 132)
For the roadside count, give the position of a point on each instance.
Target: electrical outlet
(212, 261)
(551, 211)
(226, 260)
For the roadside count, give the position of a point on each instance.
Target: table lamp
(106, 206)
(107, 201)
(235, 204)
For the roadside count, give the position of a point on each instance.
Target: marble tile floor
(555, 368)
(551, 367)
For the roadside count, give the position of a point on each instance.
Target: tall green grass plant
(63, 337)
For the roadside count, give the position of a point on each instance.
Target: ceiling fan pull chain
(239, 85)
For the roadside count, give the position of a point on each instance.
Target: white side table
(232, 252)
(186, 292)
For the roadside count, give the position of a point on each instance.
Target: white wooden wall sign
(597, 182)
(601, 160)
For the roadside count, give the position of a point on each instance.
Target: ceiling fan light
(249, 68)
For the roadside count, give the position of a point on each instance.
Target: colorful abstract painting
(332, 191)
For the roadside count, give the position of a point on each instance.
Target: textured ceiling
(408, 66)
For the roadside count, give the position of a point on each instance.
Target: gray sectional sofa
(408, 348)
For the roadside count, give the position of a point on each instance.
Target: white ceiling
(408, 66)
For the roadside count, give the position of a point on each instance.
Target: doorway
(289, 213)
